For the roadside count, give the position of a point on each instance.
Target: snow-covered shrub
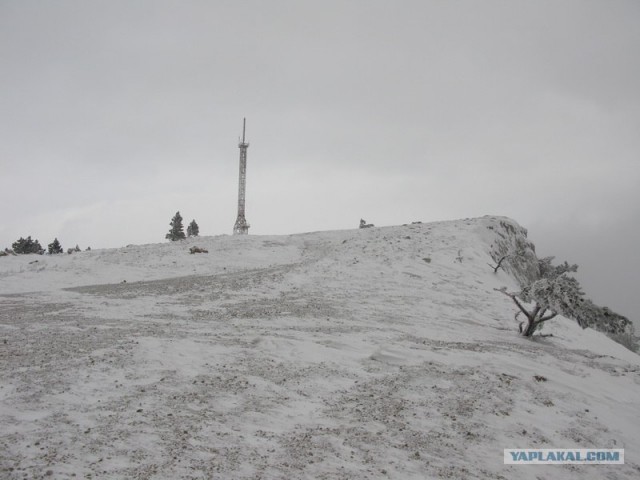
(556, 292)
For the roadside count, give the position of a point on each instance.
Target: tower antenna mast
(241, 226)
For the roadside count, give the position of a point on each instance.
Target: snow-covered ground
(373, 353)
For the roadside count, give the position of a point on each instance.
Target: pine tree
(177, 230)
(55, 247)
(193, 230)
(554, 293)
(19, 245)
(24, 246)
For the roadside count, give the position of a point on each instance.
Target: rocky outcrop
(511, 245)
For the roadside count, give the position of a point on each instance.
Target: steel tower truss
(241, 226)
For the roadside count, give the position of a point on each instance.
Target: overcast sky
(116, 114)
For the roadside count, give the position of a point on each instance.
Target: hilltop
(370, 353)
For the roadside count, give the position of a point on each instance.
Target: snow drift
(370, 353)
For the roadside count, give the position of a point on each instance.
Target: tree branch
(497, 267)
(548, 317)
(513, 297)
(536, 310)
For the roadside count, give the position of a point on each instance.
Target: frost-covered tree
(556, 292)
(193, 230)
(55, 247)
(177, 230)
(23, 246)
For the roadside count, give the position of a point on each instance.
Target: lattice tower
(241, 226)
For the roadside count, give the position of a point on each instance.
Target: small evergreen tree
(193, 230)
(19, 245)
(55, 247)
(177, 230)
(554, 293)
(24, 246)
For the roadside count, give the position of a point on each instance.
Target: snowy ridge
(374, 353)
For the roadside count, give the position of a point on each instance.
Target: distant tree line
(25, 246)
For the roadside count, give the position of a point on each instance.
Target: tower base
(241, 227)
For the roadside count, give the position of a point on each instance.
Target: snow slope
(374, 353)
